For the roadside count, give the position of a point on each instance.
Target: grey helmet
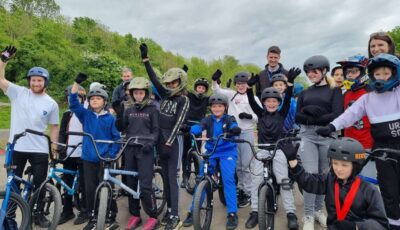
(97, 91)
(347, 149)
(271, 92)
(278, 77)
(81, 91)
(316, 62)
(218, 99)
(241, 77)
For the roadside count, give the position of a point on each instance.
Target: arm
(183, 107)
(114, 136)
(302, 118)
(286, 102)
(153, 78)
(312, 183)
(76, 107)
(120, 113)
(336, 108)
(352, 114)
(255, 118)
(155, 126)
(257, 109)
(5, 55)
(217, 89)
(54, 136)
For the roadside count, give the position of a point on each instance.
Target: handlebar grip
(35, 132)
(394, 151)
(75, 133)
(19, 135)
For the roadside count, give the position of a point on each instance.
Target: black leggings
(38, 161)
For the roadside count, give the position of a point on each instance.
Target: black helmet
(241, 77)
(278, 77)
(201, 81)
(347, 149)
(270, 92)
(218, 99)
(316, 62)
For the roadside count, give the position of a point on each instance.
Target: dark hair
(334, 69)
(384, 37)
(274, 49)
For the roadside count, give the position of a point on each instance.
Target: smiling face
(126, 75)
(352, 73)
(377, 46)
(280, 86)
(314, 75)
(382, 73)
(271, 104)
(338, 77)
(241, 87)
(342, 169)
(139, 94)
(218, 110)
(37, 84)
(201, 89)
(273, 59)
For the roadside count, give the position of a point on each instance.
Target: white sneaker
(308, 223)
(320, 217)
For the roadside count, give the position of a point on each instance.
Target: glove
(217, 75)
(147, 148)
(289, 149)
(143, 50)
(345, 225)
(314, 110)
(245, 116)
(185, 68)
(293, 73)
(228, 83)
(81, 77)
(185, 128)
(253, 80)
(235, 131)
(326, 130)
(8, 53)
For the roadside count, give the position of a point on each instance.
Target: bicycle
(105, 188)
(193, 161)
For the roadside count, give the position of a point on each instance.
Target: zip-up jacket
(265, 78)
(197, 107)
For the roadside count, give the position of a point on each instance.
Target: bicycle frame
(52, 175)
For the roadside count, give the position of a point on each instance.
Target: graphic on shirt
(168, 107)
(394, 128)
(358, 124)
(44, 112)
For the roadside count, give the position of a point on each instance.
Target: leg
(132, 181)
(145, 166)
(256, 179)
(91, 183)
(246, 155)
(39, 163)
(227, 166)
(173, 170)
(69, 164)
(19, 159)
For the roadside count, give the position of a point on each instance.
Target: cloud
(245, 29)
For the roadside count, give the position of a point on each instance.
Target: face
(314, 75)
(338, 77)
(280, 86)
(126, 76)
(201, 89)
(173, 84)
(139, 94)
(352, 73)
(96, 103)
(241, 87)
(218, 110)
(36, 84)
(377, 46)
(271, 104)
(273, 59)
(382, 73)
(342, 169)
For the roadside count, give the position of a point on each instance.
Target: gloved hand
(8, 53)
(314, 110)
(143, 50)
(228, 83)
(253, 80)
(293, 73)
(81, 77)
(235, 131)
(217, 75)
(185, 128)
(185, 68)
(245, 116)
(289, 149)
(345, 225)
(326, 130)
(147, 148)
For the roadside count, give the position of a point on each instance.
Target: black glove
(217, 75)
(143, 50)
(289, 149)
(185, 128)
(185, 68)
(228, 83)
(235, 131)
(345, 225)
(81, 77)
(8, 53)
(253, 80)
(245, 116)
(118, 107)
(314, 110)
(147, 148)
(326, 130)
(293, 73)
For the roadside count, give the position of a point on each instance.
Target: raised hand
(143, 50)
(81, 77)
(8, 53)
(253, 80)
(293, 73)
(217, 75)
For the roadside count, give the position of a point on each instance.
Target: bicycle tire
(103, 208)
(193, 160)
(198, 224)
(51, 198)
(23, 207)
(159, 190)
(266, 214)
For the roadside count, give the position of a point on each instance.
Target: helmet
(218, 99)
(175, 74)
(41, 72)
(96, 91)
(278, 77)
(241, 77)
(347, 149)
(201, 81)
(98, 85)
(360, 62)
(297, 88)
(270, 92)
(81, 91)
(140, 83)
(316, 62)
(384, 60)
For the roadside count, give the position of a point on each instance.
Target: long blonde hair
(330, 81)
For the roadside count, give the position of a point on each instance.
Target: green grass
(5, 113)
(4, 98)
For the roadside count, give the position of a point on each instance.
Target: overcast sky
(245, 29)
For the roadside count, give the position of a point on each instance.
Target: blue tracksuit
(289, 122)
(226, 152)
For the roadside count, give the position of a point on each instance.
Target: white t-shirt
(75, 126)
(30, 111)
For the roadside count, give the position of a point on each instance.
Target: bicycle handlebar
(222, 136)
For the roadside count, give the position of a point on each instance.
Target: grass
(4, 98)
(5, 113)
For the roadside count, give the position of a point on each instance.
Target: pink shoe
(151, 223)
(133, 222)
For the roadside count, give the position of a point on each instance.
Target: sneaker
(165, 219)
(232, 222)
(308, 223)
(111, 225)
(151, 224)
(41, 221)
(243, 201)
(292, 221)
(82, 218)
(189, 220)
(174, 223)
(133, 222)
(184, 182)
(320, 217)
(252, 221)
(91, 225)
(65, 217)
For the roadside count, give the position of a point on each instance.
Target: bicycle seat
(28, 170)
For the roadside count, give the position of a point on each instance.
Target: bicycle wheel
(46, 207)
(194, 167)
(18, 212)
(158, 188)
(203, 206)
(103, 208)
(265, 209)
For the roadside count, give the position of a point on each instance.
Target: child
(270, 128)
(337, 75)
(351, 203)
(382, 106)
(70, 123)
(217, 123)
(100, 124)
(141, 119)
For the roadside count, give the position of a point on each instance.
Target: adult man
(31, 108)
(119, 91)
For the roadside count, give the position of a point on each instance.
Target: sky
(211, 29)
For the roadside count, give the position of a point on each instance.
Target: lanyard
(348, 200)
